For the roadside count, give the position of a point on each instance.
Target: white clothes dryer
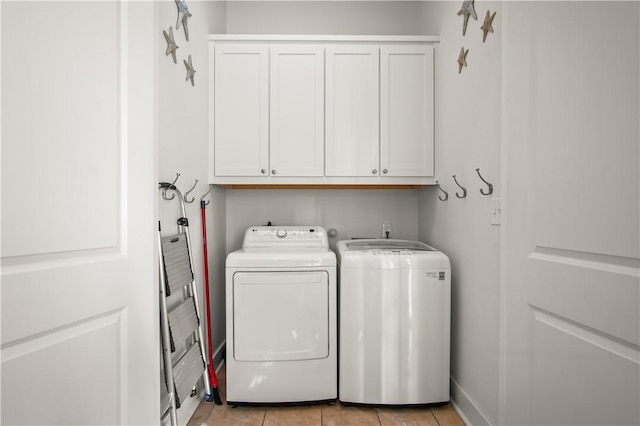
(395, 302)
(281, 317)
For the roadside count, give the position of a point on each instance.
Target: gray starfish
(467, 10)
(190, 70)
(462, 59)
(184, 11)
(487, 25)
(171, 44)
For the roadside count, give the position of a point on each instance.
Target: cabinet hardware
(273, 172)
(385, 171)
(263, 171)
(374, 171)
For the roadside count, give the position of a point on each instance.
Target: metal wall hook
(172, 186)
(490, 191)
(446, 194)
(205, 194)
(184, 197)
(464, 190)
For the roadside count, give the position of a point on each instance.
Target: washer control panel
(281, 237)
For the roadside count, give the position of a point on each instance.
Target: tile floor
(210, 414)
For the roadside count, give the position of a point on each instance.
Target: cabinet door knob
(263, 171)
(374, 171)
(273, 172)
(385, 171)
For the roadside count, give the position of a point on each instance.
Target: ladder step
(176, 262)
(186, 372)
(183, 322)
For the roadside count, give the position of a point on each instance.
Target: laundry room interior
(534, 195)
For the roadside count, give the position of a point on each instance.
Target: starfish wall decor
(171, 44)
(466, 10)
(183, 15)
(462, 59)
(190, 70)
(487, 25)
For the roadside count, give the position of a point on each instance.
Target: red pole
(212, 371)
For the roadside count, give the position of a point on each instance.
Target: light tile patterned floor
(210, 414)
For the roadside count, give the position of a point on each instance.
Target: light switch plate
(496, 211)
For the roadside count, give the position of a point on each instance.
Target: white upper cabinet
(322, 110)
(406, 110)
(297, 110)
(241, 110)
(352, 140)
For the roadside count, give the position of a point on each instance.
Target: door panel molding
(596, 261)
(94, 392)
(87, 80)
(36, 342)
(590, 335)
(592, 295)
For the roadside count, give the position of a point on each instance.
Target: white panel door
(352, 113)
(572, 330)
(79, 305)
(241, 110)
(297, 110)
(406, 110)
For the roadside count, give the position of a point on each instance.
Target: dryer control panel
(283, 237)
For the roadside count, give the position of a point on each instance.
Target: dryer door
(280, 316)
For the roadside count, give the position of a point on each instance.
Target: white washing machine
(395, 305)
(281, 317)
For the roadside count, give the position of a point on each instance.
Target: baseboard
(219, 356)
(460, 413)
(466, 407)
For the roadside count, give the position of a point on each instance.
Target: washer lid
(386, 245)
(389, 254)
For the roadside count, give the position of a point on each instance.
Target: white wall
(353, 213)
(324, 17)
(183, 118)
(183, 143)
(468, 129)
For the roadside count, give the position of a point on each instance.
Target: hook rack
(205, 194)
(184, 197)
(172, 186)
(446, 194)
(464, 190)
(490, 191)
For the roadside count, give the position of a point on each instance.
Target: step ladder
(182, 337)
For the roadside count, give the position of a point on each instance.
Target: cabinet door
(352, 140)
(241, 110)
(297, 110)
(406, 110)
